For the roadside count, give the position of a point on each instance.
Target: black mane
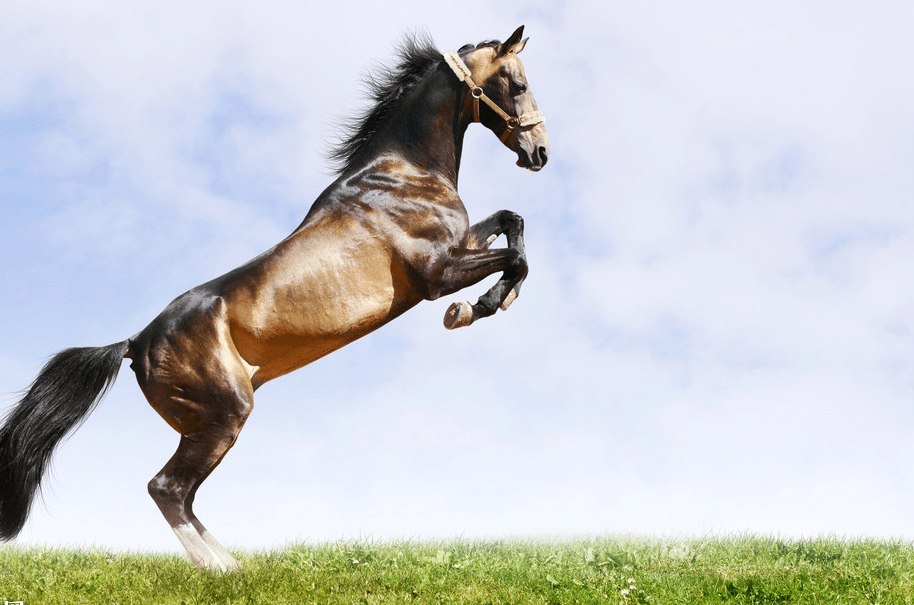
(417, 56)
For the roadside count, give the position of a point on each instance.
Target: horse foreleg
(466, 268)
(511, 225)
(484, 233)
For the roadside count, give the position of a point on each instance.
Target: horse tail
(61, 397)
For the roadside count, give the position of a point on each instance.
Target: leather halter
(463, 72)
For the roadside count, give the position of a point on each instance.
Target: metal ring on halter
(461, 70)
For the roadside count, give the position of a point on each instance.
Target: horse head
(496, 77)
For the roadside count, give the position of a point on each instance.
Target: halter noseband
(463, 72)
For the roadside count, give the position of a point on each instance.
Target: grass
(750, 570)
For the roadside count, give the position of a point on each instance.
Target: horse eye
(519, 88)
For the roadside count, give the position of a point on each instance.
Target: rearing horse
(389, 232)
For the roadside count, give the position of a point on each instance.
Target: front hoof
(458, 315)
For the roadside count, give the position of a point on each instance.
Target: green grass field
(598, 570)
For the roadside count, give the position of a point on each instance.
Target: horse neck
(428, 127)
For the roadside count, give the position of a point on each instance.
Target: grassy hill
(614, 570)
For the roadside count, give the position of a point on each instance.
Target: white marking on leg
(220, 551)
(512, 295)
(199, 551)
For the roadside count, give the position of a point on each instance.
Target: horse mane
(385, 87)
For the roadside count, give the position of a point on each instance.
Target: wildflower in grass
(633, 595)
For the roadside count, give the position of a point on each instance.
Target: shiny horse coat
(389, 232)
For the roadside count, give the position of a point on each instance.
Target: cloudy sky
(717, 334)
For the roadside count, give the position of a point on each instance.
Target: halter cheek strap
(463, 72)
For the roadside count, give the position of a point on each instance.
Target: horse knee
(518, 268)
(514, 221)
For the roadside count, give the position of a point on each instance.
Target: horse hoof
(234, 566)
(458, 315)
(512, 295)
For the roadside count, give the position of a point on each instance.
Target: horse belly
(308, 307)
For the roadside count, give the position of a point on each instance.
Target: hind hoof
(458, 315)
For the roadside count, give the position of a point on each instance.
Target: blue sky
(717, 333)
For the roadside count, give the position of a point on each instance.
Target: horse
(388, 233)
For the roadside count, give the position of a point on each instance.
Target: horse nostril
(544, 157)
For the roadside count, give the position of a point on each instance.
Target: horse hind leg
(173, 489)
(220, 551)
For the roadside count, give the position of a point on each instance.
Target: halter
(463, 72)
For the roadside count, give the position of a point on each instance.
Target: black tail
(65, 391)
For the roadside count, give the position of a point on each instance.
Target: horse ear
(514, 44)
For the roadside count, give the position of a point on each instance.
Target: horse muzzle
(533, 148)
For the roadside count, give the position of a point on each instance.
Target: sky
(716, 335)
